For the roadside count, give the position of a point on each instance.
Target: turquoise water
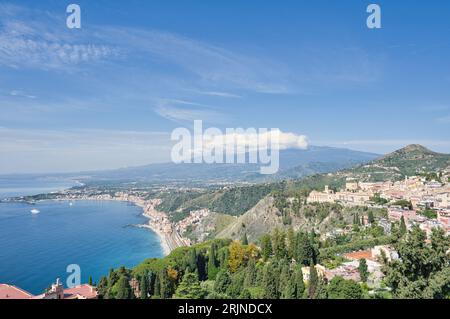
(36, 249)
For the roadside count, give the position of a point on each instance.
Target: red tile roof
(13, 292)
(357, 255)
(80, 292)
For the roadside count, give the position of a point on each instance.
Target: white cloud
(259, 139)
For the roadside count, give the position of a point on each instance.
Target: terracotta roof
(13, 292)
(80, 292)
(357, 255)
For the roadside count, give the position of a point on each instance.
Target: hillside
(289, 210)
(410, 160)
(294, 163)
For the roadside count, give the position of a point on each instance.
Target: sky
(109, 95)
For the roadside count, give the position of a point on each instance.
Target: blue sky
(109, 95)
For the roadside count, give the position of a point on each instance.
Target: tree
(250, 274)
(299, 283)
(313, 282)
(123, 288)
(422, 270)
(266, 246)
(245, 294)
(236, 257)
(212, 262)
(222, 282)
(143, 287)
(284, 286)
(190, 288)
(363, 271)
(370, 217)
(270, 284)
(90, 280)
(291, 243)
(237, 284)
(279, 243)
(192, 260)
(157, 286)
(340, 288)
(403, 229)
(166, 285)
(244, 239)
(102, 287)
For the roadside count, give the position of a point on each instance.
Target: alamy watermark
(74, 279)
(74, 19)
(234, 146)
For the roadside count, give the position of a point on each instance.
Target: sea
(36, 249)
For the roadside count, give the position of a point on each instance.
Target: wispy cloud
(21, 94)
(184, 111)
(28, 43)
(220, 94)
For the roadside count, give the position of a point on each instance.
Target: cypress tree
(403, 229)
(143, 287)
(370, 217)
(90, 280)
(123, 288)
(299, 283)
(266, 246)
(212, 262)
(363, 272)
(244, 239)
(192, 260)
(284, 279)
(157, 286)
(222, 282)
(270, 286)
(313, 282)
(165, 285)
(291, 243)
(250, 275)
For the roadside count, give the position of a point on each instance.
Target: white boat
(70, 204)
(35, 211)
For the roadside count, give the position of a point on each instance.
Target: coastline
(158, 221)
(163, 239)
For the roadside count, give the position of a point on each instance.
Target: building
(13, 292)
(321, 270)
(396, 213)
(56, 291)
(443, 218)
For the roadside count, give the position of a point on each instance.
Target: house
(13, 292)
(396, 213)
(56, 291)
(320, 272)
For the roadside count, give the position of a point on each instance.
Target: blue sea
(35, 249)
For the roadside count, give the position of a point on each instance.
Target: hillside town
(422, 194)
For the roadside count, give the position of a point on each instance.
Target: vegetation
(423, 270)
(275, 269)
